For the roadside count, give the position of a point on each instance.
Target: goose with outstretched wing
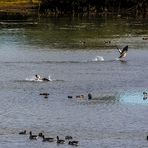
(123, 52)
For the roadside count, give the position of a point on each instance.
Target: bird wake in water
(38, 78)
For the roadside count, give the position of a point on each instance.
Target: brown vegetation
(73, 7)
(18, 8)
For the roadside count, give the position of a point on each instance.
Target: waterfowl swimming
(68, 137)
(70, 97)
(89, 96)
(145, 95)
(60, 141)
(32, 137)
(145, 38)
(23, 132)
(49, 139)
(123, 52)
(80, 96)
(45, 97)
(39, 78)
(40, 134)
(45, 79)
(74, 143)
(44, 94)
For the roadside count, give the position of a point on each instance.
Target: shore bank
(18, 9)
(24, 9)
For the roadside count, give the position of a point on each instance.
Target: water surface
(65, 49)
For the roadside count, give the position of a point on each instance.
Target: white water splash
(98, 58)
(49, 78)
(33, 78)
(117, 59)
(120, 59)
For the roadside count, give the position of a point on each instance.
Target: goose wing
(125, 49)
(123, 52)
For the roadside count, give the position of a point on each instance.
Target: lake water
(66, 49)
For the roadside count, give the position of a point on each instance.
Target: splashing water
(49, 78)
(98, 58)
(33, 78)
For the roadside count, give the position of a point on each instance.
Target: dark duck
(32, 137)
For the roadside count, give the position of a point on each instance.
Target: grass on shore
(13, 3)
(15, 7)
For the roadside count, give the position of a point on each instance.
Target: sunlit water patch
(134, 98)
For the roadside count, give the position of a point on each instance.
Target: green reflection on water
(81, 33)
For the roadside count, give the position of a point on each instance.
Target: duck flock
(68, 139)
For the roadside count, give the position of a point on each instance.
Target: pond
(80, 56)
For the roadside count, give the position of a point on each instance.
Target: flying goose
(123, 52)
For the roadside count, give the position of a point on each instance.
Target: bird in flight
(123, 52)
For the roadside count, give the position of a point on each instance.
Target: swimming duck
(145, 38)
(89, 96)
(70, 97)
(44, 94)
(45, 97)
(123, 52)
(32, 137)
(39, 78)
(45, 79)
(80, 96)
(49, 139)
(60, 141)
(23, 132)
(74, 143)
(145, 95)
(40, 134)
(68, 137)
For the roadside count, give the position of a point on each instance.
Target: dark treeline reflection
(77, 33)
(94, 7)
